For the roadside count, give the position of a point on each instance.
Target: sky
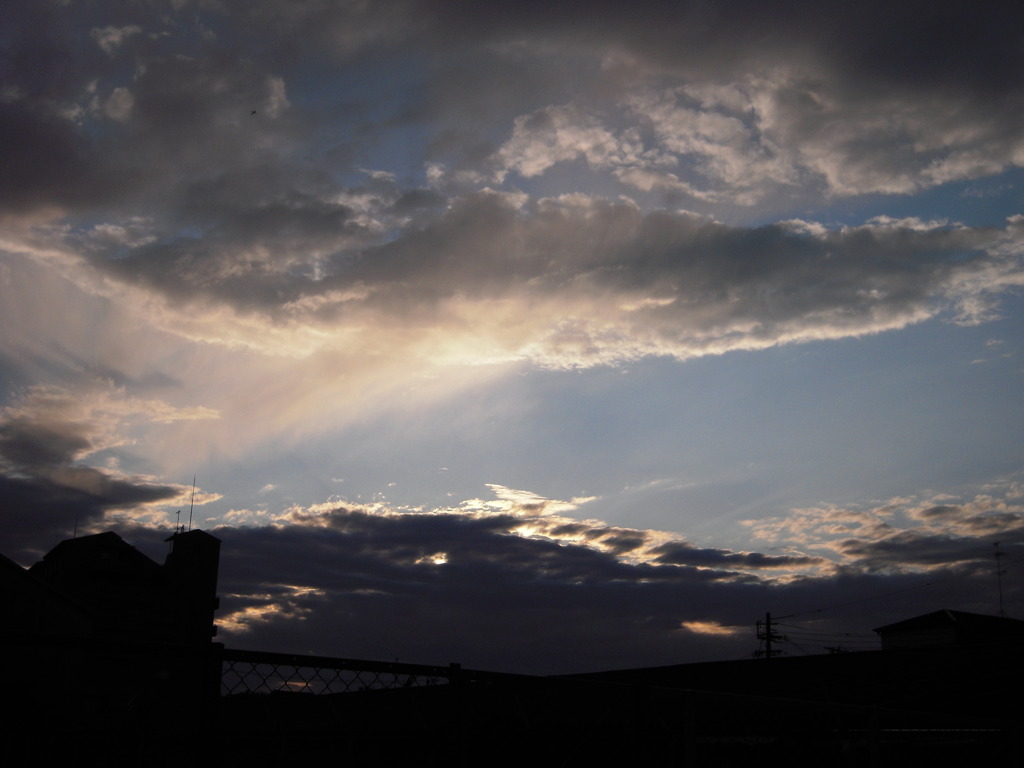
(540, 337)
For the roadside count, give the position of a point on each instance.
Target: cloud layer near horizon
(517, 583)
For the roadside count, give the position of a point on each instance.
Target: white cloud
(906, 533)
(119, 105)
(558, 134)
(277, 100)
(111, 38)
(284, 604)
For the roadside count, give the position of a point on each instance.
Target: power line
(879, 595)
(766, 629)
(801, 631)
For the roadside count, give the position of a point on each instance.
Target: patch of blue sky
(982, 202)
(368, 105)
(696, 447)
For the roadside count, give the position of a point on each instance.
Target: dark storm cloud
(124, 115)
(570, 282)
(49, 65)
(924, 548)
(378, 587)
(681, 553)
(694, 285)
(913, 44)
(135, 97)
(441, 587)
(44, 162)
(906, 535)
(41, 510)
(249, 256)
(46, 504)
(29, 445)
(263, 255)
(148, 113)
(796, 96)
(938, 511)
(45, 488)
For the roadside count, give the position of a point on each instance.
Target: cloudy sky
(537, 336)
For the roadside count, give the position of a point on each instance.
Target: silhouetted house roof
(946, 661)
(103, 648)
(109, 577)
(948, 627)
(33, 606)
(100, 586)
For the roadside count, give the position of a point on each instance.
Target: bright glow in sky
(543, 337)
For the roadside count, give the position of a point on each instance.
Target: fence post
(457, 686)
(689, 729)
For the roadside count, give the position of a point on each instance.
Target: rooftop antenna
(192, 503)
(999, 578)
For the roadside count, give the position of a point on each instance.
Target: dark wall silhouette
(108, 653)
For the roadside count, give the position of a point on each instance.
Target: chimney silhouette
(190, 580)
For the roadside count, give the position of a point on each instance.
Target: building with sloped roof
(100, 586)
(111, 649)
(947, 627)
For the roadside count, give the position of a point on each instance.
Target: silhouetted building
(948, 627)
(118, 593)
(112, 651)
(33, 606)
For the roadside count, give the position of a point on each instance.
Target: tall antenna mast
(192, 503)
(999, 578)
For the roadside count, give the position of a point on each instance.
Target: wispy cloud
(904, 534)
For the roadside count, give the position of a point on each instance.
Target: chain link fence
(249, 672)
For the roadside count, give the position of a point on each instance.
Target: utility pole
(767, 635)
(999, 579)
